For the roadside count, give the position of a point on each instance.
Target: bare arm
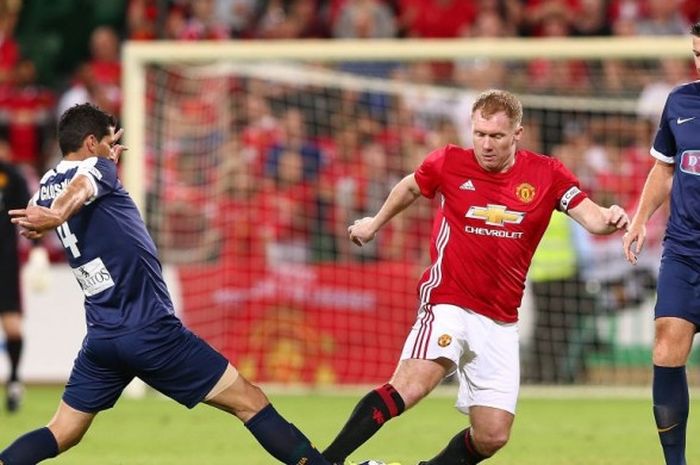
(37, 220)
(597, 219)
(656, 190)
(404, 193)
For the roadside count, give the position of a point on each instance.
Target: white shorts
(485, 353)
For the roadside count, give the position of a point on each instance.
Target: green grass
(547, 431)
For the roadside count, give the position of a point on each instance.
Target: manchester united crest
(3, 183)
(444, 340)
(525, 192)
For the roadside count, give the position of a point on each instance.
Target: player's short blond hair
(493, 101)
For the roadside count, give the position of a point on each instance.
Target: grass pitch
(550, 429)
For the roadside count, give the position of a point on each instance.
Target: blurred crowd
(282, 168)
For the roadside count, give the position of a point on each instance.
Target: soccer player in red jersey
(496, 204)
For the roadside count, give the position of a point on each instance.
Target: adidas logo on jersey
(468, 186)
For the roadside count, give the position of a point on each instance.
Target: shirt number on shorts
(68, 239)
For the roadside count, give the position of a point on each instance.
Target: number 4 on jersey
(68, 239)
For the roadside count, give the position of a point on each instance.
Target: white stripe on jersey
(436, 270)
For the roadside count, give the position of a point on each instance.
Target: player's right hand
(635, 233)
(362, 231)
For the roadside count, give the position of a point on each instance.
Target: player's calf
(31, 448)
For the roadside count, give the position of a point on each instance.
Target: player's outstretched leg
(278, 437)
(65, 430)
(370, 414)
(412, 381)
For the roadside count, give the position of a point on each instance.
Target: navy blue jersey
(678, 141)
(110, 251)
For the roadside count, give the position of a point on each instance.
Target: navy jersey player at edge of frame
(677, 142)
(107, 244)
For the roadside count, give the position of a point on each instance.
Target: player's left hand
(617, 217)
(115, 149)
(35, 220)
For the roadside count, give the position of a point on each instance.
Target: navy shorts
(678, 288)
(165, 355)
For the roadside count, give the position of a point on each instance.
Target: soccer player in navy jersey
(676, 172)
(497, 201)
(131, 327)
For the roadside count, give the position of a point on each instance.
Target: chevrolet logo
(495, 215)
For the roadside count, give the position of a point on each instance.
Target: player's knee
(66, 437)
(412, 393)
(257, 398)
(488, 443)
(667, 353)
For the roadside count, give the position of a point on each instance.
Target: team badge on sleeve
(444, 340)
(525, 192)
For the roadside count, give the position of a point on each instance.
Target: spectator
(365, 19)
(105, 66)
(27, 107)
(664, 17)
(141, 17)
(83, 89)
(236, 15)
(293, 138)
(203, 23)
(9, 48)
(592, 20)
(673, 72)
(436, 18)
(288, 209)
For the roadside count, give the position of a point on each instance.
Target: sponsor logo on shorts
(444, 340)
(93, 277)
(303, 461)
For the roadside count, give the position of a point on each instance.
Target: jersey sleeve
(664, 146)
(429, 173)
(102, 174)
(567, 188)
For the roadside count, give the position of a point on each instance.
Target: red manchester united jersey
(488, 226)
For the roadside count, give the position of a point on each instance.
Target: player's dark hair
(492, 101)
(79, 122)
(695, 29)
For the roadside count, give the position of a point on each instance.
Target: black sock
(14, 351)
(377, 407)
(459, 451)
(670, 391)
(31, 448)
(282, 439)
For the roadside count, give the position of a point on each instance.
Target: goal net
(249, 160)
